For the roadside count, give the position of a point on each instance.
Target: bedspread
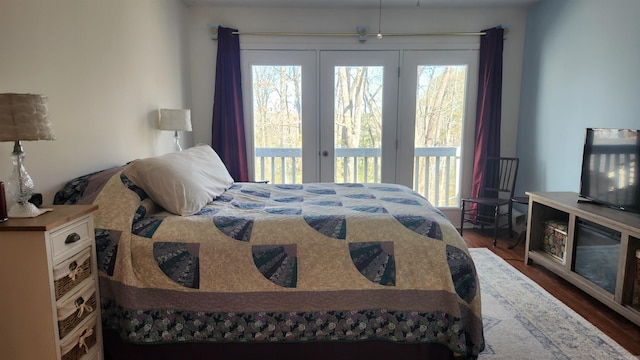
(263, 263)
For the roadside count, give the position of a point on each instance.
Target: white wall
(580, 70)
(203, 50)
(106, 66)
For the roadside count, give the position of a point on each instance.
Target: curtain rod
(362, 33)
(356, 34)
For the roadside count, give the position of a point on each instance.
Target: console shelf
(611, 274)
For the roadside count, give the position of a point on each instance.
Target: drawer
(95, 355)
(71, 272)
(75, 307)
(80, 342)
(70, 238)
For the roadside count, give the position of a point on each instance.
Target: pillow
(181, 182)
(84, 189)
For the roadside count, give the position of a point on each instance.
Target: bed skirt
(117, 349)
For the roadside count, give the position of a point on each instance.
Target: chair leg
(495, 225)
(462, 219)
(510, 214)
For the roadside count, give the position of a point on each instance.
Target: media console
(591, 246)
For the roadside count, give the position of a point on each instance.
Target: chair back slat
(500, 176)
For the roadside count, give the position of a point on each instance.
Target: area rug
(523, 321)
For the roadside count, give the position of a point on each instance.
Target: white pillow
(181, 182)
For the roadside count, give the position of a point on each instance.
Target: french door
(358, 116)
(437, 112)
(402, 117)
(280, 91)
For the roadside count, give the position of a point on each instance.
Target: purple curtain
(489, 105)
(227, 130)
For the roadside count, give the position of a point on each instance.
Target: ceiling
(398, 4)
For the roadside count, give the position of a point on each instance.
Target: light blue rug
(523, 321)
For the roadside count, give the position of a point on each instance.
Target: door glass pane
(440, 96)
(277, 118)
(358, 123)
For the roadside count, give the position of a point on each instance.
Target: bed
(257, 270)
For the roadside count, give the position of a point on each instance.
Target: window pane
(277, 125)
(440, 96)
(358, 123)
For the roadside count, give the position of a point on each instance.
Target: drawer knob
(82, 344)
(71, 238)
(74, 270)
(82, 307)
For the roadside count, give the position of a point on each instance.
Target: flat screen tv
(610, 168)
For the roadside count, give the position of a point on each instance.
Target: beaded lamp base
(25, 210)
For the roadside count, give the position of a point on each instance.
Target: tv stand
(566, 208)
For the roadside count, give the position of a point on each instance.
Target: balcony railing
(435, 177)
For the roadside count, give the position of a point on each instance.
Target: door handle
(325, 153)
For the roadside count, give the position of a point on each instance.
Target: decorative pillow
(85, 188)
(181, 182)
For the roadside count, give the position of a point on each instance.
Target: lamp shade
(175, 119)
(24, 117)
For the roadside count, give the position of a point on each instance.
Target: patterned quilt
(263, 263)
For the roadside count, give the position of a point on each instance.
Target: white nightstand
(49, 286)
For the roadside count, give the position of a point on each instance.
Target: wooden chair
(495, 194)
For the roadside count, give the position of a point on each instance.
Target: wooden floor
(623, 331)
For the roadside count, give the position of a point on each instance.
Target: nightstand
(49, 294)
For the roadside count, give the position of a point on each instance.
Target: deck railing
(436, 175)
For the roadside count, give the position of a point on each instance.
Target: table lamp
(23, 117)
(175, 120)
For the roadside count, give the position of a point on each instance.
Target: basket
(555, 239)
(71, 272)
(79, 342)
(76, 308)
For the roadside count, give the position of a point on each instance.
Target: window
(363, 116)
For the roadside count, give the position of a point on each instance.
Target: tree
(357, 117)
(439, 115)
(358, 120)
(277, 118)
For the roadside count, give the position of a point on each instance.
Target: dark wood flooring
(623, 331)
